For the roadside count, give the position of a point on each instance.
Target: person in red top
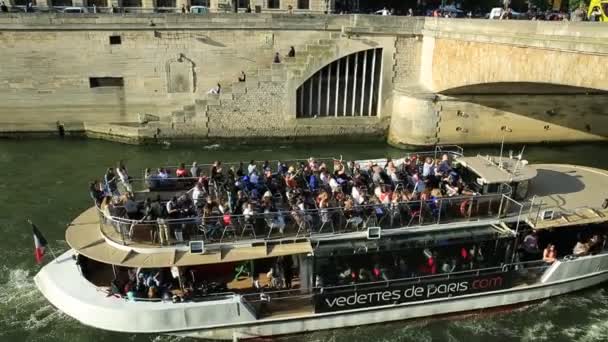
(432, 266)
(181, 171)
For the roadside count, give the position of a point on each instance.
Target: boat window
(521, 190)
(412, 262)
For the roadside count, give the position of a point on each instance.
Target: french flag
(39, 244)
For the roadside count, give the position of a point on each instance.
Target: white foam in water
(538, 331)
(211, 147)
(167, 338)
(595, 332)
(27, 307)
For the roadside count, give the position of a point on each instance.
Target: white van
(74, 10)
(496, 13)
(199, 10)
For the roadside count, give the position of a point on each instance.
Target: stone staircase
(265, 87)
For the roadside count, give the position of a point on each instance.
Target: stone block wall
(257, 113)
(407, 62)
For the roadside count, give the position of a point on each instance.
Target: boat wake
(212, 147)
(22, 307)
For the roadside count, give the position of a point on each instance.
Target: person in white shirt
(172, 208)
(121, 170)
(427, 168)
(333, 184)
(324, 177)
(198, 193)
(383, 11)
(252, 167)
(356, 195)
(248, 212)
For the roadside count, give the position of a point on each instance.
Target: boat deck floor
(575, 193)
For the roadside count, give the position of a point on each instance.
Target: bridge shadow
(582, 109)
(551, 183)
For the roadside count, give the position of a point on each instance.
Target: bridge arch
(345, 87)
(455, 63)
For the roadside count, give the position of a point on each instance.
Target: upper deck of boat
(569, 195)
(574, 195)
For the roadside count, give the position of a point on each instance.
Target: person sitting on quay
(277, 58)
(292, 52)
(216, 90)
(242, 77)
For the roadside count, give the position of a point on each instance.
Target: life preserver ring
(464, 208)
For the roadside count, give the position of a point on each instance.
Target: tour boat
(343, 259)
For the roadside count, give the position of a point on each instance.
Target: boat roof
(570, 195)
(85, 236)
(496, 170)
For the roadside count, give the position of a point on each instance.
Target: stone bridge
(415, 81)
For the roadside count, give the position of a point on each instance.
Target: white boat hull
(229, 320)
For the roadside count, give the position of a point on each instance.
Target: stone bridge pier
(481, 81)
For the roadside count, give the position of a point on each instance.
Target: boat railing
(180, 183)
(295, 223)
(272, 163)
(191, 298)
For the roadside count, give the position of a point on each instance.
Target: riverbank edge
(141, 135)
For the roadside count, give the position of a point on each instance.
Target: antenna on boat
(502, 145)
(519, 158)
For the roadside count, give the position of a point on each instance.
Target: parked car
(199, 10)
(74, 10)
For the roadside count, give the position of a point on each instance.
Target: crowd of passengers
(259, 192)
(390, 266)
(160, 284)
(199, 281)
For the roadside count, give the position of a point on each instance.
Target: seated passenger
(581, 248)
(195, 171)
(595, 244)
(444, 167)
(530, 245)
(251, 167)
(365, 276)
(172, 208)
(550, 254)
(248, 213)
(379, 273)
(95, 192)
(427, 168)
(181, 171)
(198, 193)
(132, 208)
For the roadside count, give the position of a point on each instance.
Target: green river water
(46, 180)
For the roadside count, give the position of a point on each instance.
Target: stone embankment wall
(167, 64)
